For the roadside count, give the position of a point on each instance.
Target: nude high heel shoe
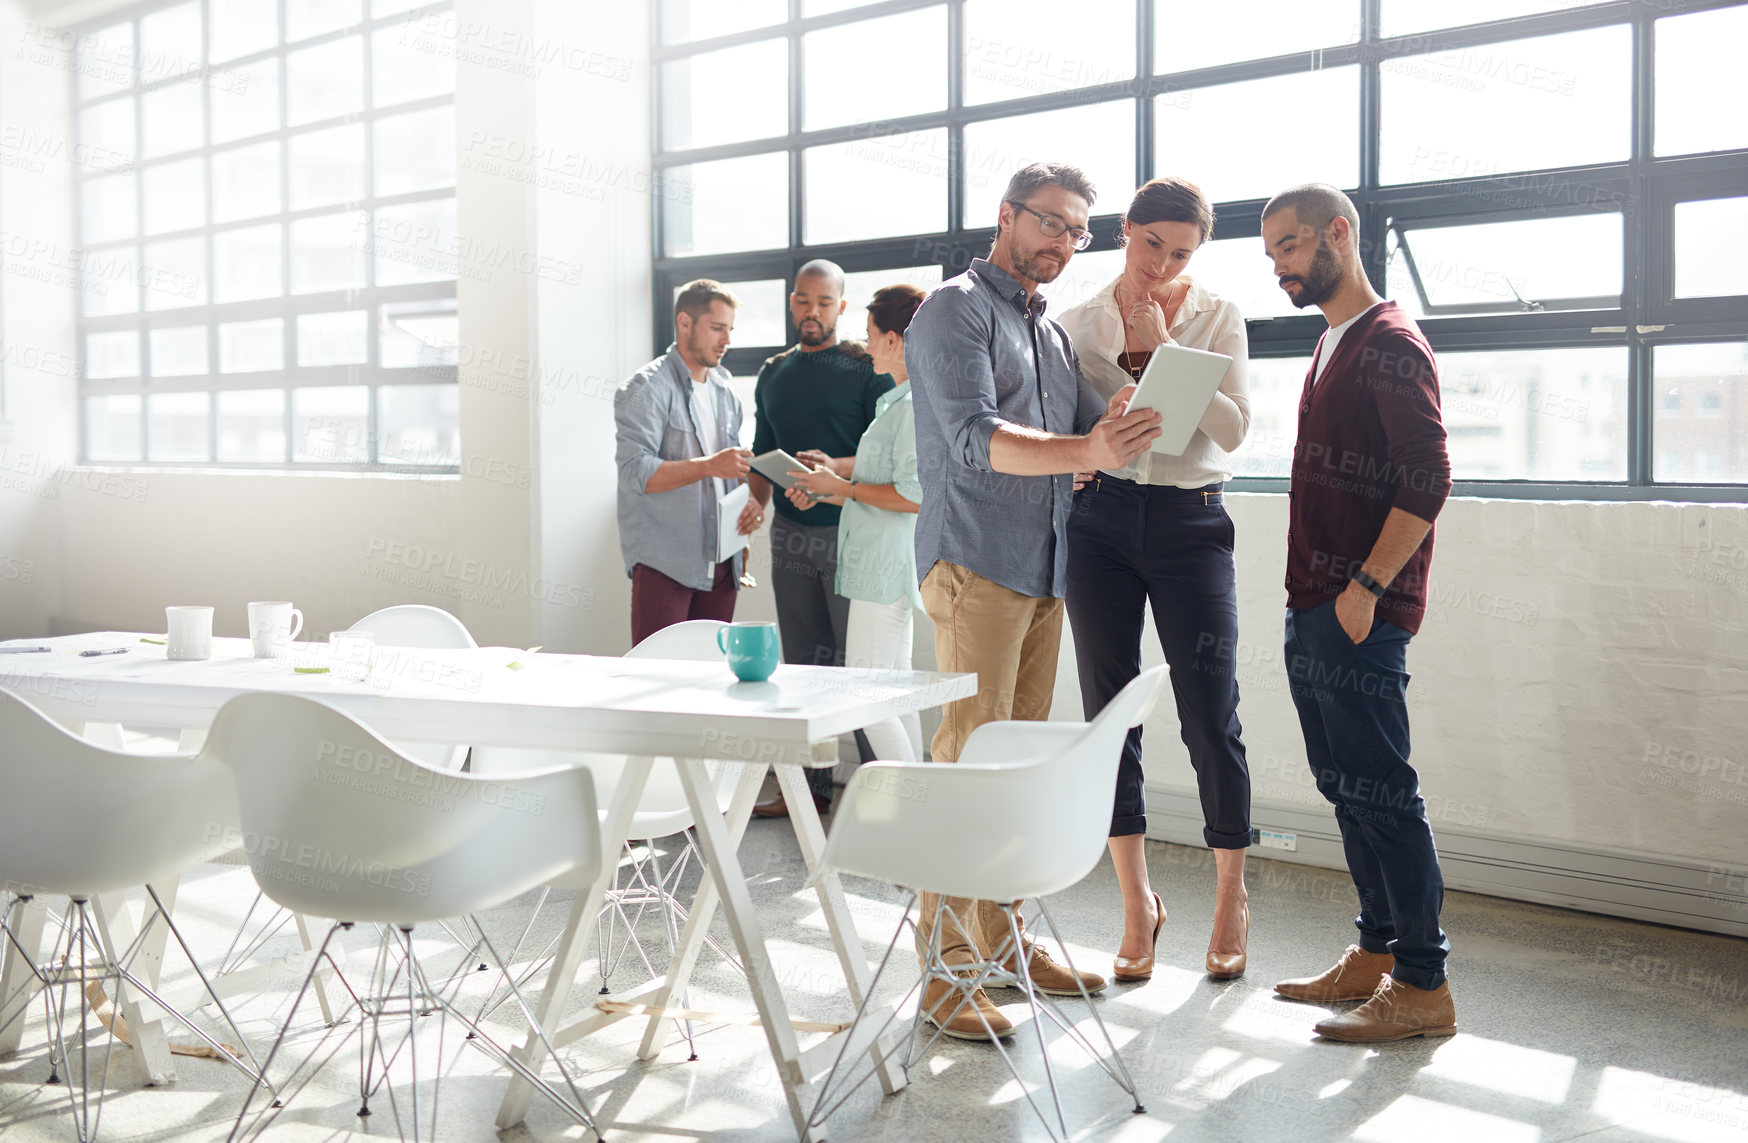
(1230, 966)
(1134, 969)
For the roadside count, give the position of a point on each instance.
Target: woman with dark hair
(1157, 533)
(880, 494)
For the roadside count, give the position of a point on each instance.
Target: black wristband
(1369, 583)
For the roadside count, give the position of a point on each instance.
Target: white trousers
(879, 638)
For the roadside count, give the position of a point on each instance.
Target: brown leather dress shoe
(778, 808)
(1354, 977)
(1052, 978)
(973, 1017)
(1396, 1011)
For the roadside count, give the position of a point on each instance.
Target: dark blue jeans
(1131, 545)
(1352, 702)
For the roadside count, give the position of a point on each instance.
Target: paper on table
(728, 510)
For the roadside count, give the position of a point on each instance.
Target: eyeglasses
(1054, 227)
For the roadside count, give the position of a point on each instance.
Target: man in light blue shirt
(678, 427)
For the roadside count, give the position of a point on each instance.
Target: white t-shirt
(709, 435)
(1332, 341)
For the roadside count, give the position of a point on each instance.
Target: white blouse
(1204, 321)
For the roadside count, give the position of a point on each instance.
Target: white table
(645, 708)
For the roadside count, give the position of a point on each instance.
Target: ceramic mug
(272, 627)
(751, 648)
(188, 632)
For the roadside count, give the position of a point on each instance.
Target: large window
(266, 219)
(1551, 188)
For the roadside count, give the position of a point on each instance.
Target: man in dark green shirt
(817, 395)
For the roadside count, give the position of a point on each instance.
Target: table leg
(115, 925)
(15, 991)
(568, 958)
(703, 910)
(749, 938)
(811, 836)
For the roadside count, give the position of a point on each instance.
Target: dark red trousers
(658, 602)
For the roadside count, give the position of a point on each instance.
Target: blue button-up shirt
(979, 356)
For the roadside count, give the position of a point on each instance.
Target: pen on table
(106, 651)
(22, 650)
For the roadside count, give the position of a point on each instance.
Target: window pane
(1275, 384)
(1701, 428)
(112, 428)
(107, 208)
(111, 355)
(902, 57)
(1193, 134)
(728, 205)
(306, 18)
(109, 281)
(245, 182)
(105, 61)
(415, 243)
(419, 424)
(1190, 36)
(418, 335)
(327, 166)
(1496, 264)
(176, 426)
(859, 288)
(170, 42)
(1708, 233)
(251, 346)
(415, 152)
(1100, 138)
(1085, 275)
(172, 120)
(174, 273)
(106, 135)
(1404, 16)
(245, 101)
(684, 20)
(241, 27)
(727, 96)
(246, 263)
(1551, 101)
(327, 253)
(875, 188)
(179, 351)
(1237, 270)
(1693, 52)
(1015, 49)
(175, 196)
(411, 61)
(251, 425)
(331, 425)
(333, 339)
(1543, 414)
(325, 81)
(761, 317)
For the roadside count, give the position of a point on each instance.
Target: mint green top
(877, 546)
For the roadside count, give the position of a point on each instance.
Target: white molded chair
(1024, 812)
(338, 823)
(415, 625)
(78, 821)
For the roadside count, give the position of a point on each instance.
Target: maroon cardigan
(1370, 439)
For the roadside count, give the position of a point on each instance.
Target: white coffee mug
(272, 627)
(190, 632)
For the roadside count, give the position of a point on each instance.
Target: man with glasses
(818, 397)
(1004, 420)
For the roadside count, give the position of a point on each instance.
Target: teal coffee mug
(751, 649)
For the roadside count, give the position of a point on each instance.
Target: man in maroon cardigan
(1370, 473)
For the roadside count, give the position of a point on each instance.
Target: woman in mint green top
(879, 492)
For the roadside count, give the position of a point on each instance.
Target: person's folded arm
(1227, 421)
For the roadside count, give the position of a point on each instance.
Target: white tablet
(1180, 383)
(776, 466)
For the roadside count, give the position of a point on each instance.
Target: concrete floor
(1571, 1026)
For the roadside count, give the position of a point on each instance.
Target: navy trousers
(1131, 545)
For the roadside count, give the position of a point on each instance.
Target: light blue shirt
(877, 546)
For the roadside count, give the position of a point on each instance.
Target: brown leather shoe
(963, 1017)
(1396, 1011)
(1137, 969)
(1354, 977)
(1229, 966)
(1050, 977)
(778, 808)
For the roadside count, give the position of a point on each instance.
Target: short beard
(1320, 282)
(814, 338)
(1036, 269)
